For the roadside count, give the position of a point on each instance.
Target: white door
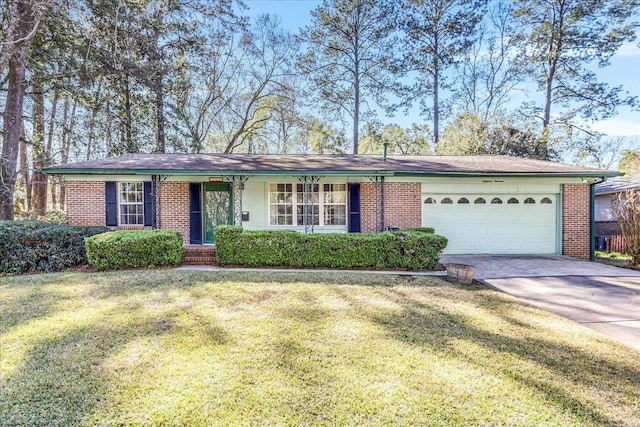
(494, 223)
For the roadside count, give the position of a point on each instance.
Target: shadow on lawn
(435, 329)
(64, 379)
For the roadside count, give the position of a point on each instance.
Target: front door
(217, 208)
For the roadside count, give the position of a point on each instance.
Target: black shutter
(195, 213)
(111, 207)
(148, 204)
(354, 208)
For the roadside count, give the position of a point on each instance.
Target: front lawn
(170, 347)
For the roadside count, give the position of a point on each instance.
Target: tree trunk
(356, 98)
(64, 155)
(160, 142)
(39, 180)
(92, 121)
(25, 176)
(436, 92)
(128, 118)
(12, 129)
(159, 91)
(25, 16)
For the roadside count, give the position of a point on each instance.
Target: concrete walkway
(599, 296)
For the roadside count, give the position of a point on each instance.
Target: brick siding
(576, 225)
(402, 205)
(174, 210)
(85, 203)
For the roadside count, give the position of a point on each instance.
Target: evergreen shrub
(410, 249)
(28, 246)
(135, 248)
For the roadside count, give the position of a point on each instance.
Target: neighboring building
(482, 204)
(606, 223)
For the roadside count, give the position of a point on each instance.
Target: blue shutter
(354, 208)
(111, 208)
(148, 204)
(195, 213)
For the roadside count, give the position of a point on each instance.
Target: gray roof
(616, 185)
(280, 164)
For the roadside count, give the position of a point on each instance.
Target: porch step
(199, 255)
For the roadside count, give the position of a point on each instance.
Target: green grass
(169, 347)
(617, 259)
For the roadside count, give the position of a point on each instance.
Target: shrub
(135, 248)
(29, 246)
(412, 249)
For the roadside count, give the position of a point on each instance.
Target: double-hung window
(280, 204)
(131, 203)
(326, 204)
(335, 204)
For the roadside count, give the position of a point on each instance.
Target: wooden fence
(616, 243)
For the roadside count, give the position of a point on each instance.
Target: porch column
(156, 191)
(237, 182)
(308, 207)
(378, 187)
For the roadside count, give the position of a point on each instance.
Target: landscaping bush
(412, 249)
(135, 248)
(30, 246)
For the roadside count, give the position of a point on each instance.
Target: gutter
(592, 218)
(182, 172)
(389, 173)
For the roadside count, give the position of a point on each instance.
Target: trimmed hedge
(36, 246)
(411, 249)
(135, 248)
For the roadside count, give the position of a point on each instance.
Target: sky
(624, 69)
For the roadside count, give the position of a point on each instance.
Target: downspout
(592, 218)
(382, 207)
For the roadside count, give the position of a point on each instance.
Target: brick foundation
(576, 226)
(402, 205)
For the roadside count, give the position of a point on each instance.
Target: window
(513, 201)
(496, 201)
(545, 201)
(335, 204)
(131, 203)
(446, 201)
(280, 204)
(463, 201)
(326, 204)
(480, 201)
(430, 201)
(529, 201)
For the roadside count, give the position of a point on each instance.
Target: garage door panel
(494, 228)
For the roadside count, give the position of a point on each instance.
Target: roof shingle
(316, 163)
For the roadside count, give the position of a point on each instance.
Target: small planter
(460, 273)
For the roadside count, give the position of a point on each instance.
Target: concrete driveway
(599, 296)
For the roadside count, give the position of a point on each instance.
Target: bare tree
(489, 72)
(626, 209)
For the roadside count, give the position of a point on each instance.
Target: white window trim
(122, 203)
(295, 204)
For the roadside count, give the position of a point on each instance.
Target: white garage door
(494, 223)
